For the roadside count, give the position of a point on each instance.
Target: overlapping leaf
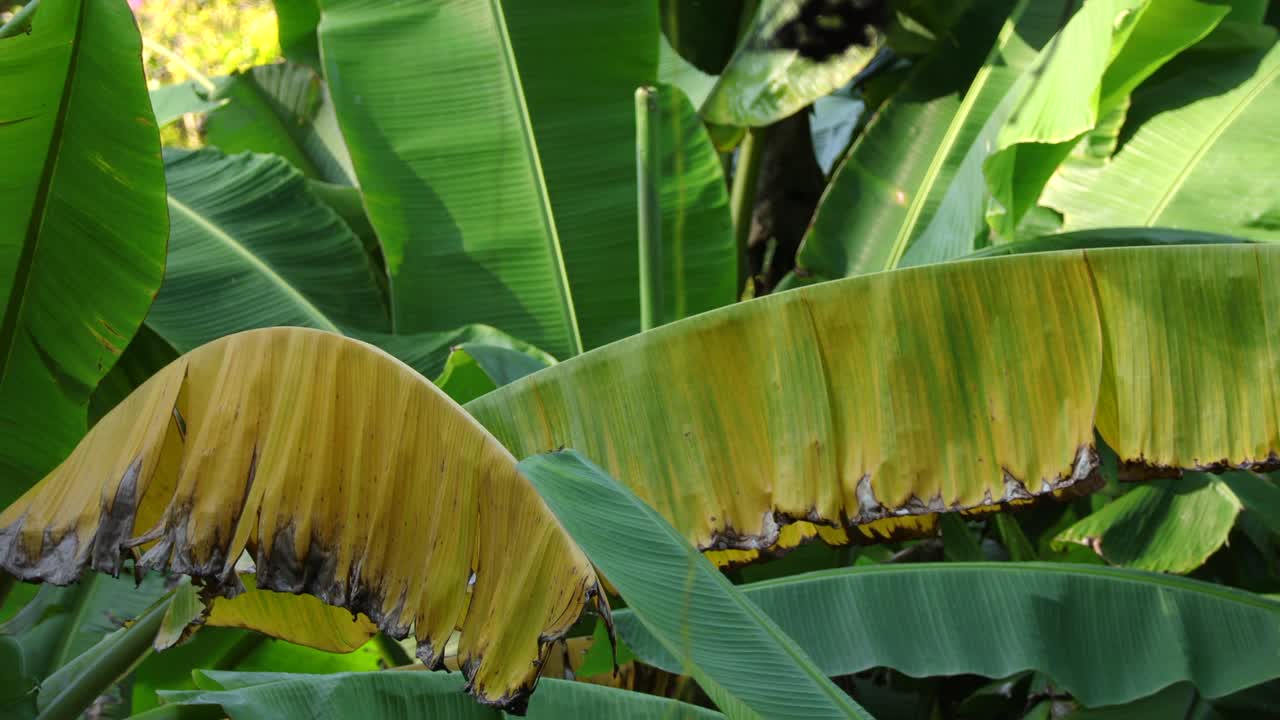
(379, 696)
(886, 191)
(82, 245)
(997, 619)
(929, 413)
(788, 58)
(251, 247)
(519, 211)
(934, 174)
(737, 654)
(251, 443)
(283, 109)
(1198, 159)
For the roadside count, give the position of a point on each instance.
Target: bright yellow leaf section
(345, 475)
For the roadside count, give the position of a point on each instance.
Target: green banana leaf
(252, 247)
(893, 179)
(580, 64)
(695, 84)
(933, 171)
(1079, 82)
(282, 109)
(489, 211)
(267, 696)
(704, 33)
(1259, 495)
(451, 176)
(428, 352)
(743, 661)
(243, 651)
(474, 369)
(61, 624)
(1164, 526)
(1105, 635)
(296, 22)
(769, 78)
(1174, 525)
(82, 247)
(171, 102)
(1197, 158)
(1107, 237)
(78, 686)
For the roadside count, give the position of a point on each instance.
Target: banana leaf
(1104, 635)
(1197, 158)
(703, 33)
(217, 454)
(486, 211)
(918, 403)
(931, 173)
(282, 109)
(1097, 77)
(267, 696)
(82, 247)
(1164, 526)
(62, 623)
(250, 247)
(1174, 525)
(792, 54)
(215, 648)
(474, 369)
(740, 658)
(171, 102)
(887, 189)
(296, 22)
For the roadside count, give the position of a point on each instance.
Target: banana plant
(222, 452)
(286, 469)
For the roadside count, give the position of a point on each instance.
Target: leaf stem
(21, 20)
(649, 205)
(742, 196)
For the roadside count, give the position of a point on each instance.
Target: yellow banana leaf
(852, 410)
(862, 403)
(865, 406)
(346, 475)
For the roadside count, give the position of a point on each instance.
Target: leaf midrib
(545, 214)
(323, 322)
(1210, 140)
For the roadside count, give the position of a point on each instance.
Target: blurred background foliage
(210, 37)
(183, 38)
(186, 39)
